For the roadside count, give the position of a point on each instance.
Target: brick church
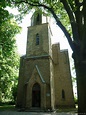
(44, 75)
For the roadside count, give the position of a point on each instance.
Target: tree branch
(55, 17)
(58, 22)
(72, 21)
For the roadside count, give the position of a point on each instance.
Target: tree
(9, 59)
(74, 12)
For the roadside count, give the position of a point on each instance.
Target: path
(35, 113)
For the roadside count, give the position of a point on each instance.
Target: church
(44, 75)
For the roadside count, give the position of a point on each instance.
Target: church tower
(38, 39)
(41, 82)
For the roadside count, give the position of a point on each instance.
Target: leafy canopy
(70, 16)
(9, 59)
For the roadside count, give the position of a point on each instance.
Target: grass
(73, 110)
(7, 107)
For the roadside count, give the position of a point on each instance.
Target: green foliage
(9, 59)
(74, 79)
(76, 100)
(14, 92)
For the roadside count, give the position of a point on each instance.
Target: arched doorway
(36, 97)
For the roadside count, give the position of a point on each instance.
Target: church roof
(39, 74)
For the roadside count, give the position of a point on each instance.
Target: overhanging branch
(37, 4)
(72, 21)
(64, 30)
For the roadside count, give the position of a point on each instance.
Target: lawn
(7, 107)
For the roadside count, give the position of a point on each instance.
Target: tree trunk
(81, 86)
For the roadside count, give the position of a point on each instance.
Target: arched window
(63, 94)
(37, 39)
